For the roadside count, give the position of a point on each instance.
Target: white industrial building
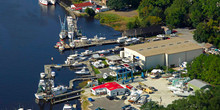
(171, 52)
(110, 88)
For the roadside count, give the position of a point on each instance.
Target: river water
(28, 32)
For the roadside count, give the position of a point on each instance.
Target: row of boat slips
(46, 2)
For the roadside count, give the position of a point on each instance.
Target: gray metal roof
(198, 83)
(113, 58)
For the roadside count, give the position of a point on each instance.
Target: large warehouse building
(169, 52)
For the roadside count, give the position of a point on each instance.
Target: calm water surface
(28, 32)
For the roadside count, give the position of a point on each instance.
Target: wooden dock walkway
(66, 99)
(65, 94)
(79, 79)
(84, 45)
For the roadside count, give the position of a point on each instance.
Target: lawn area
(85, 103)
(116, 20)
(95, 70)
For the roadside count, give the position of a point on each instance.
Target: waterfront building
(82, 6)
(171, 52)
(110, 88)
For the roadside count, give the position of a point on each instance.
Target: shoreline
(75, 15)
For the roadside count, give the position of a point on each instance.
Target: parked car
(110, 97)
(129, 86)
(90, 99)
(123, 97)
(127, 93)
(115, 97)
(153, 89)
(126, 106)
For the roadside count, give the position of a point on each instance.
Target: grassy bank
(114, 20)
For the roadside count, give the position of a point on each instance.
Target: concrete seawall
(68, 9)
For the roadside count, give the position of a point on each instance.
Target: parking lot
(163, 94)
(107, 104)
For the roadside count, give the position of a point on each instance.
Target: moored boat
(83, 71)
(53, 2)
(43, 2)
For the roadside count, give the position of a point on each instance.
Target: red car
(126, 65)
(129, 86)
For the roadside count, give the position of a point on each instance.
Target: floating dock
(84, 45)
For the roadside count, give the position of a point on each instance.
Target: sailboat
(63, 31)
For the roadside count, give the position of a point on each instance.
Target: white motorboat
(68, 107)
(126, 60)
(42, 75)
(105, 75)
(59, 90)
(134, 97)
(61, 48)
(72, 44)
(58, 66)
(183, 93)
(76, 63)
(87, 52)
(128, 41)
(122, 39)
(43, 2)
(112, 74)
(40, 95)
(70, 34)
(83, 71)
(102, 38)
(53, 2)
(103, 51)
(173, 88)
(69, 60)
(63, 32)
(98, 64)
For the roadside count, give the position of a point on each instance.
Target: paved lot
(187, 35)
(163, 92)
(107, 104)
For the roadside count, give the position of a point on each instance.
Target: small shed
(197, 84)
(113, 58)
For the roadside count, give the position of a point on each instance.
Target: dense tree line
(203, 100)
(122, 4)
(205, 67)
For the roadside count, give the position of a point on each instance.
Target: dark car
(110, 97)
(123, 97)
(126, 106)
(152, 88)
(115, 97)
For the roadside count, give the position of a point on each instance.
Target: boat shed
(144, 32)
(197, 84)
(171, 52)
(110, 88)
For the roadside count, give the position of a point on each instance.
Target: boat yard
(120, 72)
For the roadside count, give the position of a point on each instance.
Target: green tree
(90, 12)
(117, 4)
(206, 68)
(176, 14)
(151, 106)
(195, 13)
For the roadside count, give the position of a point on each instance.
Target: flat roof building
(197, 84)
(171, 52)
